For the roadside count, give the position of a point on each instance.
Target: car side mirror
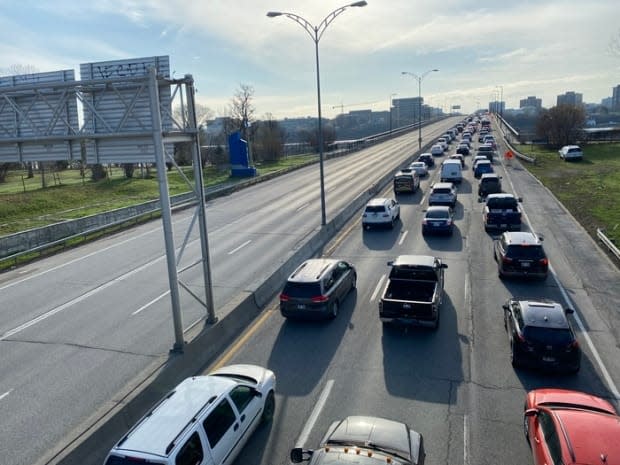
(390, 263)
(519, 199)
(569, 311)
(531, 412)
(297, 454)
(444, 265)
(505, 307)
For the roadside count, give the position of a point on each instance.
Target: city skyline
(541, 49)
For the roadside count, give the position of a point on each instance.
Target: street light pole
(419, 79)
(390, 110)
(316, 32)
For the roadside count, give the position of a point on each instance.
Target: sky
(484, 50)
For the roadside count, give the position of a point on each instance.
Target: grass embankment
(24, 204)
(589, 189)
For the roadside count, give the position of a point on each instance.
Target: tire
(525, 430)
(269, 408)
(391, 225)
(353, 283)
(333, 310)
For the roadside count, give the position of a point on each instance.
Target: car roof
(311, 270)
(521, 237)
(543, 314)
(415, 260)
(438, 208)
(443, 185)
(157, 430)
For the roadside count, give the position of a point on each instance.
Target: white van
(205, 420)
(451, 171)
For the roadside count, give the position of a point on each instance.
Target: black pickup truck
(502, 213)
(414, 291)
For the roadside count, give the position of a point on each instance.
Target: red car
(571, 427)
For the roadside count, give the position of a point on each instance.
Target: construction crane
(342, 106)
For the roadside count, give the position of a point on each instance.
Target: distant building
(570, 98)
(531, 102)
(497, 107)
(406, 110)
(615, 99)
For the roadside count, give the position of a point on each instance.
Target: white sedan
(420, 168)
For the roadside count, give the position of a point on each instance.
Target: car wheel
(269, 408)
(354, 282)
(526, 429)
(391, 225)
(333, 310)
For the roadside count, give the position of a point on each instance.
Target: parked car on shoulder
(317, 288)
(365, 440)
(571, 152)
(199, 420)
(571, 427)
(443, 193)
(428, 159)
(438, 219)
(540, 335)
(380, 211)
(520, 254)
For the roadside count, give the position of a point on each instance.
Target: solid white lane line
(465, 458)
(2, 396)
(151, 303)
(303, 437)
(377, 288)
(402, 239)
(72, 302)
(240, 247)
(569, 303)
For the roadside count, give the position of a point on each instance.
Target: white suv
(205, 419)
(380, 212)
(571, 152)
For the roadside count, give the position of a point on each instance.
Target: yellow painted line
(234, 348)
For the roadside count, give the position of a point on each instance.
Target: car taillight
(320, 298)
(385, 215)
(544, 261)
(284, 298)
(507, 260)
(572, 346)
(424, 222)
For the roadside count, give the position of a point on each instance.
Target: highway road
(78, 328)
(456, 386)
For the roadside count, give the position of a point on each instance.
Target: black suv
(540, 335)
(520, 254)
(490, 183)
(428, 159)
(316, 288)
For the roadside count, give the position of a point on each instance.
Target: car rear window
(441, 190)
(485, 149)
(375, 209)
(532, 252)
(501, 203)
(302, 290)
(554, 336)
(437, 214)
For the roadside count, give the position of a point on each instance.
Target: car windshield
(531, 252)
(553, 336)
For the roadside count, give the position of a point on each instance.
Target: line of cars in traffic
(208, 419)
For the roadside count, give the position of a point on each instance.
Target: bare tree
(242, 109)
(269, 140)
(562, 124)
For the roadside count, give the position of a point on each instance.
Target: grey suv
(317, 288)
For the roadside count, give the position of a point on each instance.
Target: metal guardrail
(608, 243)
